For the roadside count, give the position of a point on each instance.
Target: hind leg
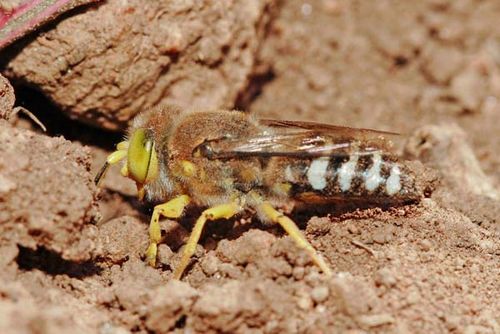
(291, 228)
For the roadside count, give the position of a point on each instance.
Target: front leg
(171, 209)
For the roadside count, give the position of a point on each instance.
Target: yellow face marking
(142, 162)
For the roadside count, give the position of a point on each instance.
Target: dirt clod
(169, 305)
(122, 238)
(62, 222)
(355, 296)
(319, 294)
(106, 63)
(385, 277)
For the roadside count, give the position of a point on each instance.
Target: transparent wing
(337, 130)
(302, 139)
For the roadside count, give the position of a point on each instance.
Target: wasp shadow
(53, 264)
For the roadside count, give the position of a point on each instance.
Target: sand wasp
(229, 161)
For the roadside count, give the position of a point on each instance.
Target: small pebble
(413, 297)
(382, 236)
(385, 277)
(298, 273)
(305, 303)
(353, 229)
(165, 254)
(459, 263)
(321, 308)
(354, 295)
(401, 212)
(230, 270)
(6, 184)
(425, 245)
(452, 322)
(312, 278)
(319, 294)
(488, 245)
(210, 264)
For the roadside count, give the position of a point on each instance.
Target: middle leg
(217, 212)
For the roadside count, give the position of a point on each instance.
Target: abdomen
(374, 177)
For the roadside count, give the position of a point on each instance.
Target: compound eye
(142, 162)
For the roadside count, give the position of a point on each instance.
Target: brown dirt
(392, 65)
(107, 63)
(46, 200)
(427, 67)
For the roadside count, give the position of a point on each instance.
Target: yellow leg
(217, 212)
(292, 229)
(116, 157)
(172, 209)
(122, 146)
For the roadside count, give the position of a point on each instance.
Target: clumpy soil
(72, 255)
(132, 55)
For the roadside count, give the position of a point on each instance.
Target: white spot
(346, 173)
(393, 183)
(372, 176)
(316, 174)
(289, 174)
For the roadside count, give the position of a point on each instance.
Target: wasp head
(141, 160)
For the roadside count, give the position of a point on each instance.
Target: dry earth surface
(72, 255)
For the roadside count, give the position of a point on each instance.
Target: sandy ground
(72, 255)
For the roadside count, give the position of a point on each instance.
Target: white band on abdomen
(393, 183)
(372, 176)
(316, 174)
